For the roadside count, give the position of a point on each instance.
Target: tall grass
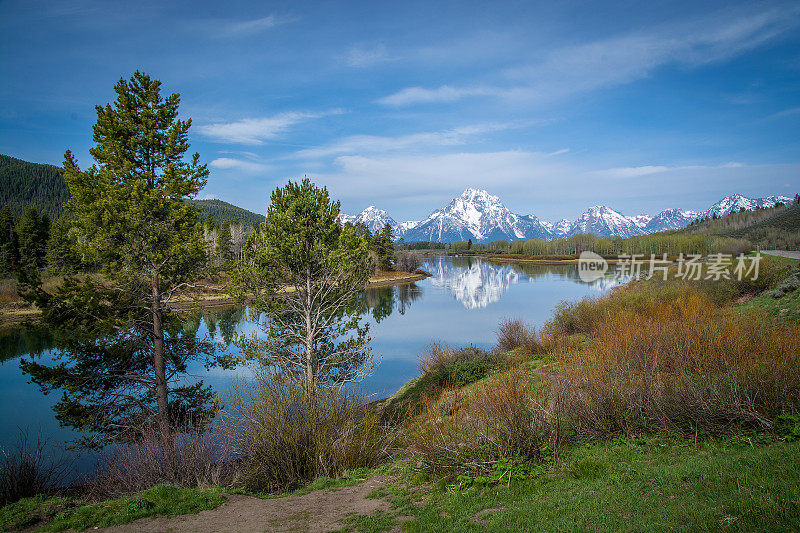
(189, 457)
(25, 470)
(288, 434)
(648, 357)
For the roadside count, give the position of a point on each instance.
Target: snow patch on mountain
(604, 221)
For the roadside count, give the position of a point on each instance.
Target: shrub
(471, 435)
(455, 367)
(789, 284)
(683, 365)
(513, 333)
(26, 472)
(189, 457)
(289, 435)
(405, 261)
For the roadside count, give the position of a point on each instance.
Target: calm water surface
(462, 303)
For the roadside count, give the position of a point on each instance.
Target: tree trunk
(159, 364)
(310, 374)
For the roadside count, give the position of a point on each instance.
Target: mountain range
(475, 214)
(482, 217)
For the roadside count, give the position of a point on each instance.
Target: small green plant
(465, 371)
(505, 470)
(139, 504)
(588, 469)
(788, 427)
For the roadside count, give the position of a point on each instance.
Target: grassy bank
(646, 484)
(42, 513)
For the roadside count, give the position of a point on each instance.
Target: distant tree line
(218, 211)
(226, 240)
(31, 242)
(657, 243)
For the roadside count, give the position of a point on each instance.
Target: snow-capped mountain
(641, 220)
(482, 217)
(479, 216)
(561, 228)
(736, 202)
(604, 221)
(403, 227)
(670, 219)
(374, 219)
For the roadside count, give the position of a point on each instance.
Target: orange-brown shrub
(682, 364)
(472, 432)
(514, 333)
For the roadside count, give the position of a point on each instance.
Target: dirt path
(318, 511)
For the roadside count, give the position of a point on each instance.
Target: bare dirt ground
(318, 511)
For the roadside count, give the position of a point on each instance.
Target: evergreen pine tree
(122, 349)
(33, 230)
(8, 242)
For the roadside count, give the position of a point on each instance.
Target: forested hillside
(777, 227)
(220, 211)
(23, 183)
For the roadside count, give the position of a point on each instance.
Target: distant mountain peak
(481, 216)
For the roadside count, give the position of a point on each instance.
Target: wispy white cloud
(257, 130)
(229, 163)
(362, 56)
(245, 28)
(785, 113)
(359, 144)
(646, 170)
(633, 172)
(445, 93)
(619, 59)
(559, 152)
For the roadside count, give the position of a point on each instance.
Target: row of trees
(658, 244)
(32, 242)
(225, 240)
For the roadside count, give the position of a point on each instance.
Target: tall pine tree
(124, 349)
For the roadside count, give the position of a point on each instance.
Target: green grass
(29, 511)
(785, 308)
(59, 514)
(645, 485)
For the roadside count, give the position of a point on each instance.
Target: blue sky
(553, 106)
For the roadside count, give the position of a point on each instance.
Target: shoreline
(16, 314)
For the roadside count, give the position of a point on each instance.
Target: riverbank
(14, 312)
